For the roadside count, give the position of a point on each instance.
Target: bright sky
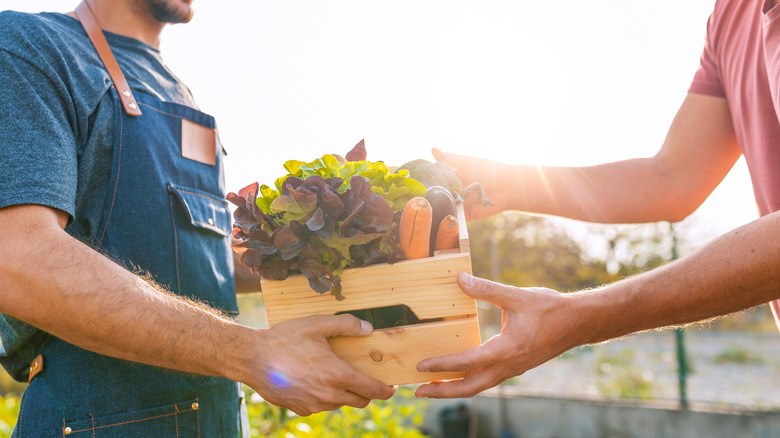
(551, 82)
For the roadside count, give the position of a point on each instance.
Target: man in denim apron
(118, 290)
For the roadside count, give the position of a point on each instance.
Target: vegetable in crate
(448, 234)
(415, 228)
(443, 205)
(441, 174)
(322, 217)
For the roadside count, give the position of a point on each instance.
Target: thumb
(495, 293)
(439, 155)
(343, 325)
(449, 158)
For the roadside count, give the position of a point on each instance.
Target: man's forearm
(699, 150)
(737, 271)
(630, 191)
(66, 288)
(54, 282)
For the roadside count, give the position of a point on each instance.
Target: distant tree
(532, 250)
(527, 250)
(635, 248)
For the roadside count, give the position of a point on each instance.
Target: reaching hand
(534, 330)
(491, 174)
(298, 370)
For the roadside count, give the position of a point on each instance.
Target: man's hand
(491, 174)
(736, 271)
(536, 328)
(297, 369)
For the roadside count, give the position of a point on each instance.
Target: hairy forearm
(68, 289)
(56, 283)
(735, 272)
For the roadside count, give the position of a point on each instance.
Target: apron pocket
(203, 259)
(174, 420)
(203, 210)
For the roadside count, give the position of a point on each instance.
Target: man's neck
(120, 17)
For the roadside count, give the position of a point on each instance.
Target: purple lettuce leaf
(366, 210)
(248, 217)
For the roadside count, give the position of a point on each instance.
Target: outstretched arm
(56, 283)
(739, 270)
(699, 150)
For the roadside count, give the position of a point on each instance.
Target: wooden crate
(427, 286)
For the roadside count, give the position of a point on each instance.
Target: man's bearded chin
(170, 11)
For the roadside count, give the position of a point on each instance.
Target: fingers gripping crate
(427, 286)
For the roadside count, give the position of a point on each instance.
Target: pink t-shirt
(741, 62)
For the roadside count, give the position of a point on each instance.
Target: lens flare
(279, 379)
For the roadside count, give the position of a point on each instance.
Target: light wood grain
(427, 286)
(391, 355)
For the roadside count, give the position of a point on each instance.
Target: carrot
(415, 228)
(447, 235)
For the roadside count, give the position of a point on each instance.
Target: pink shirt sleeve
(771, 34)
(707, 79)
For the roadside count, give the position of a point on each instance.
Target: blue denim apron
(166, 215)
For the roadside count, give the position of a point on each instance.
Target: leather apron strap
(95, 34)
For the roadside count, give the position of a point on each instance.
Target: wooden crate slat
(391, 355)
(428, 286)
(463, 234)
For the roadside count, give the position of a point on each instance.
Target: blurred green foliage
(399, 417)
(739, 356)
(625, 378)
(9, 385)
(9, 411)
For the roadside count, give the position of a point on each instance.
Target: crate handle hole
(389, 316)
